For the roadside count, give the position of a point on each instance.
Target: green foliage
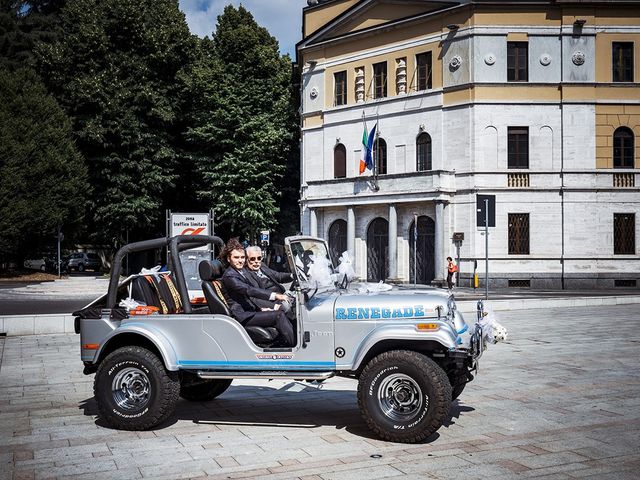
(42, 176)
(115, 72)
(23, 25)
(240, 123)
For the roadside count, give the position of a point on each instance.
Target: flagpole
(376, 147)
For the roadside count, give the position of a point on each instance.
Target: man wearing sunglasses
(261, 276)
(239, 293)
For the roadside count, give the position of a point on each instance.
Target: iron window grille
(423, 74)
(518, 147)
(340, 88)
(380, 80)
(622, 62)
(339, 161)
(518, 234)
(423, 151)
(624, 233)
(623, 148)
(517, 61)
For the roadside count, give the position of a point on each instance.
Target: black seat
(210, 272)
(157, 290)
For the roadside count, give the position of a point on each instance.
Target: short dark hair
(450, 259)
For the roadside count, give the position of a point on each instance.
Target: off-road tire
(205, 391)
(410, 375)
(135, 369)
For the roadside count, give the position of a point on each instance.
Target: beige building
(536, 103)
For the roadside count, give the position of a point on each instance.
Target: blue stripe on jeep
(264, 363)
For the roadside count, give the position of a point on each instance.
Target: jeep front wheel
(404, 396)
(205, 391)
(133, 389)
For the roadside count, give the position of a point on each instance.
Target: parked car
(81, 261)
(411, 351)
(36, 264)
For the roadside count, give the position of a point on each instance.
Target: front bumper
(477, 345)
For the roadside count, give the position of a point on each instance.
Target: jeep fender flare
(150, 333)
(444, 336)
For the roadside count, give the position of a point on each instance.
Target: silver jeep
(411, 351)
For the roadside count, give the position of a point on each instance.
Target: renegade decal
(366, 313)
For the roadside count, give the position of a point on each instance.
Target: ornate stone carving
(401, 75)
(578, 58)
(455, 62)
(545, 59)
(489, 59)
(360, 84)
(314, 93)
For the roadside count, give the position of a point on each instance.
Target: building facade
(536, 103)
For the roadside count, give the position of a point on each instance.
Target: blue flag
(368, 159)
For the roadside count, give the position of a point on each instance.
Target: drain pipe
(561, 158)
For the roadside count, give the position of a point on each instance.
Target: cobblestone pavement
(560, 400)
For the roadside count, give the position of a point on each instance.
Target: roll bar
(176, 244)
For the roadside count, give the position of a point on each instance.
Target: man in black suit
(261, 276)
(240, 292)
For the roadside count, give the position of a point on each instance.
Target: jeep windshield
(310, 262)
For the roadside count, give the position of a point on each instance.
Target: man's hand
(282, 297)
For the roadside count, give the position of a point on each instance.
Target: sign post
(59, 237)
(192, 224)
(458, 238)
(486, 217)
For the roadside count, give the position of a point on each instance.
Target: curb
(15, 325)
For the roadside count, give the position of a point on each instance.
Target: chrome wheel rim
(400, 397)
(131, 389)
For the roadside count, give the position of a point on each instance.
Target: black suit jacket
(271, 283)
(239, 292)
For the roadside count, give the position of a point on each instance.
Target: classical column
(313, 223)
(393, 242)
(351, 233)
(439, 244)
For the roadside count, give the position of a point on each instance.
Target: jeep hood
(391, 305)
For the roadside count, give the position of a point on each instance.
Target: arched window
(423, 152)
(623, 148)
(381, 156)
(337, 240)
(339, 161)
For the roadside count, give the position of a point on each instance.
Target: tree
(24, 24)
(115, 73)
(42, 175)
(241, 124)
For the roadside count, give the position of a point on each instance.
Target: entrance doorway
(337, 240)
(378, 250)
(425, 247)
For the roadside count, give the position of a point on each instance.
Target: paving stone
(534, 411)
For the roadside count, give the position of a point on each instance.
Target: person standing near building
(452, 268)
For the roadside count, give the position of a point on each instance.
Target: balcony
(518, 180)
(624, 180)
(416, 184)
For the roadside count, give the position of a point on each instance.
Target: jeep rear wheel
(404, 396)
(202, 392)
(133, 389)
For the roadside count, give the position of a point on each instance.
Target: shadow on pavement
(253, 406)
